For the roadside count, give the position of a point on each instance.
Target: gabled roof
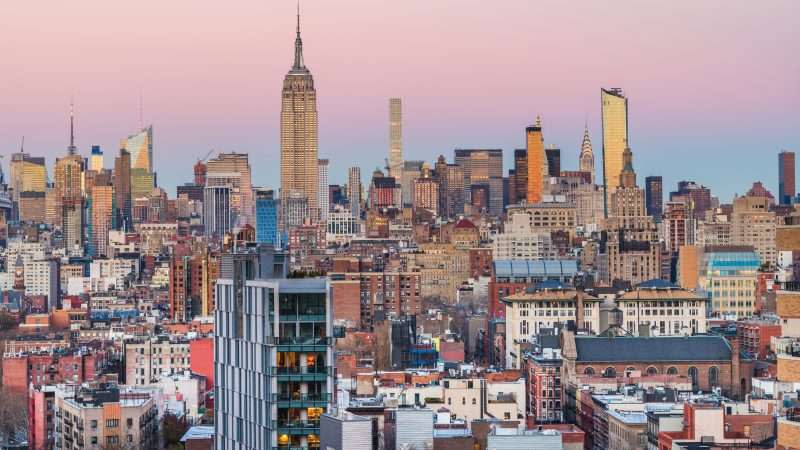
(652, 349)
(464, 223)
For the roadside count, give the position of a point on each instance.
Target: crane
(204, 158)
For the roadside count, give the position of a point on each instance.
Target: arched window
(713, 376)
(694, 376)
(588, 371)
(629, 370)
(651, 371)
(610, 372)
(672, 371)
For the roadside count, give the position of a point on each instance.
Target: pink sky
(712, 80)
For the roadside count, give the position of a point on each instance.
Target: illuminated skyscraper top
(140, 146)
(587, 154)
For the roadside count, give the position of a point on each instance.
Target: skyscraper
(395, 138)
(28, 183)
(69, 195)
(586, 160)
(234, 169)
(354, 190)
(299, 163)
(122, 190)
(102, 201)
(614, 106)
(217, 210)
(96, 160)
(140, 146)
(553, 161)
(520, 176)
(537, 161)
(322, 189)
(654, 196)
(786, 186)
(266, 217)
(482, 168)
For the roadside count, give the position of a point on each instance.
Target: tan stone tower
(299, 131)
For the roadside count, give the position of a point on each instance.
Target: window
(672, 371)
(129, 422)
(474, 401)
(610, 372)
(693, 374)
(94, 440)
(93, 424)
(713, 376)
(112, 423)
(652, 371)
(588, 371)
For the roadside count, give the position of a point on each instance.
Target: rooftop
(646, 349)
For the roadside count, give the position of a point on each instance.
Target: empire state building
(299, 133)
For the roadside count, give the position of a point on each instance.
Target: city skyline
(446, 106)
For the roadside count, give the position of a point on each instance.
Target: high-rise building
(234, 169)
(354, 190)
(299, 163)
(102, 214)
(520, 176)
(614, 106)
(483, 169)
(28, 182)
(753, 224)
(266, 217)
(654, 196)
(586, 160)
(140, 147)
(122, 190)
(96, 159)
(69, 195)
(395, 138)
(456, 193)
(217, 210)
(411, 171)
(426, 192)
(322, 189)
(786, 170)
(383, 191)
(553, 155)
(537, 162)
(294, 210)
(699, 196)
(200, 171)
(289, 372)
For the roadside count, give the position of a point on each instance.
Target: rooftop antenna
(71, 149)
(22, 145)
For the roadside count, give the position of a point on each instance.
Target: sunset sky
(713, 86)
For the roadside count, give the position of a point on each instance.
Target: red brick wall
(346, 296)
(15, 373)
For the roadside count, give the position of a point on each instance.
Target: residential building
(148, 359)
(786, 178)
(395, 137)
(106, 416)
(286, 325)
(482, 168)
(659, 308)
(537, 162)
(233, 170)
(752, 223)
(266, 217)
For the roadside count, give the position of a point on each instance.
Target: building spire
(71, 149)
(298, 45)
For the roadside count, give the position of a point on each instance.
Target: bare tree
(13, 413)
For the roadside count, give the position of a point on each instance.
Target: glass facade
(266, 220)
(728, 279)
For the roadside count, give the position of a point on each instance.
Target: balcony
(302, 373)
(296, 427)
(301, 400)
(302, 344)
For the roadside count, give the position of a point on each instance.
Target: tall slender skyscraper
(786, 186)
(69, 194)
(122, 190)
(354, 190)
(654, 196)
(537, 161)
(322, 189)
(587, 155)
(299, 164)
(395, 138)
(614, 107)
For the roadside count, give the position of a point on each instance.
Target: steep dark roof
(655, 349)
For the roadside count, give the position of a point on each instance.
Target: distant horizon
(712, 88)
